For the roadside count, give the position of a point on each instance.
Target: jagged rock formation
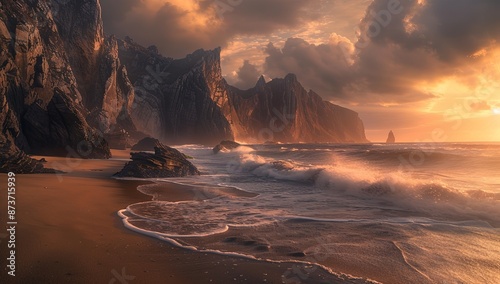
(113, 95)
(283, 111)
(225, 145)
(188, 101)
(106, 90)
(42, 111)
(64, 86)
(165, 162)
(174, 98)
(391, 139)
(13, 160)
(146, 144)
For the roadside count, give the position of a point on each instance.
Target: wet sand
(68, 231)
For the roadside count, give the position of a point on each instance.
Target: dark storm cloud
(459, 28)
(265, 16)
(175, 29)
(321, 67)
(114, 12)
(248, 75)
(399, 47)
(423, 42)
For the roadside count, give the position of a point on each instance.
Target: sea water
(394, 213)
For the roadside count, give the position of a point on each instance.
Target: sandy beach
(68, 231)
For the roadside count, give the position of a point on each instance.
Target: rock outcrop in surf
(225, 145)
(164, 163)
(391, 139)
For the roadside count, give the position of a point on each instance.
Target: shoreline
(69, 231)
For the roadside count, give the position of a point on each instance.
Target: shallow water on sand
(412, 213)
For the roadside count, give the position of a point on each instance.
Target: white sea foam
(344, 277)
(356, 197)
(360, 179)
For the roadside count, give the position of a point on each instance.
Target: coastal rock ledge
(165, 162)
(226, 146)
(146, 144)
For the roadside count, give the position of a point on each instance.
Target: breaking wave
(413, 191)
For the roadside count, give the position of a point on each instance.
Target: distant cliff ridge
(188, 100)
(283, 111)
(64, 87)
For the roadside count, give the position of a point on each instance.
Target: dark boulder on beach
(13, 160)
(297, 254)
(226, 145)
(165, 162)
(146, 144)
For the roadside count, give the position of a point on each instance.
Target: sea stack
(391, 139)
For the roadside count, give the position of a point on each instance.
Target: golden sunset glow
(250, 141)
(438, 79)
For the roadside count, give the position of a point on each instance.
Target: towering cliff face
(41, 111)
(114, 94)
(102, 80)
(283, 111)
(188, 101)
(63, 87)
(174, 99)
(79, 25)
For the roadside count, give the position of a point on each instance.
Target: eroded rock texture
(64, 87)
(42, 110)
(283, 111)
(165, 162)
(174, 99)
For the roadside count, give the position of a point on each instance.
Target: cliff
(283, 111)
(102, 80)
(174, 99)
(188, 101)
(64, 87)
(42, 110)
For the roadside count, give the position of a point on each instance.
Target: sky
(427, 69)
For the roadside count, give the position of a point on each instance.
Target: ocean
(392, 213)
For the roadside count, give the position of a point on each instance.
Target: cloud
(179, 27)
(398, 50)
(426, 41)
(480, 106)
(324, 66)
(247, 75)
(401, 46)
